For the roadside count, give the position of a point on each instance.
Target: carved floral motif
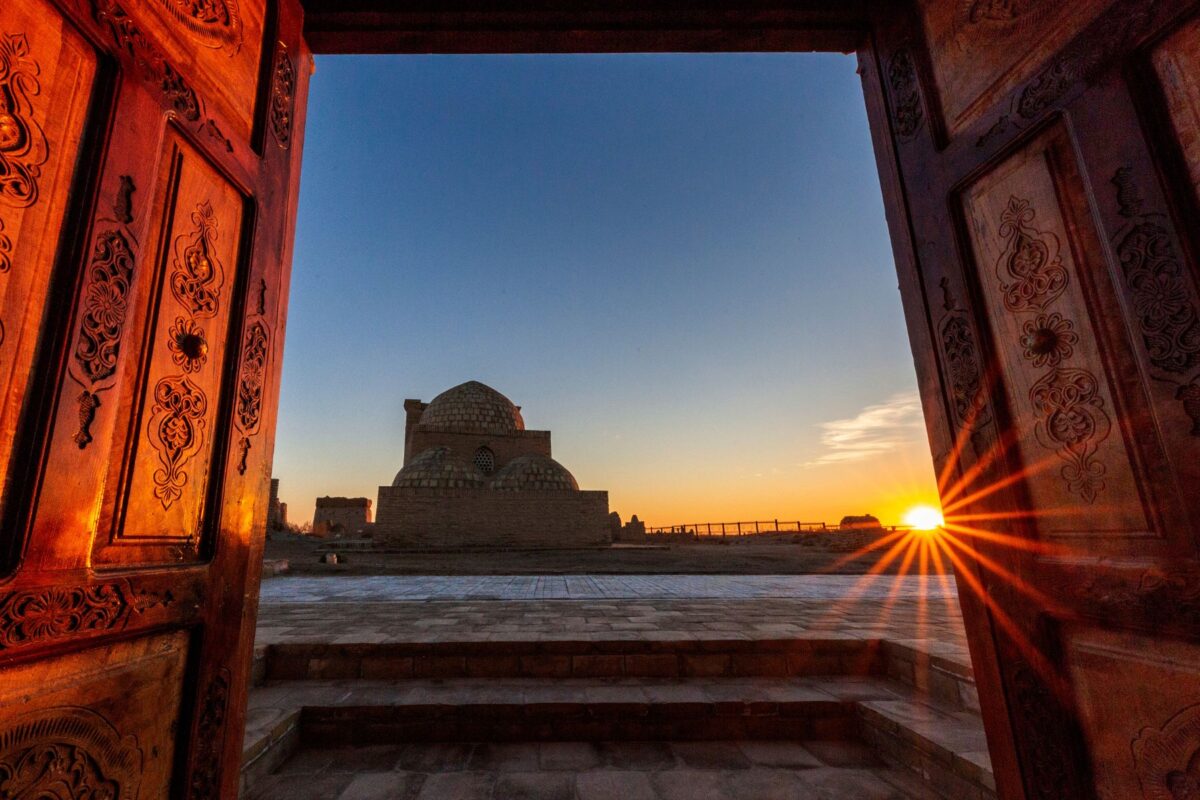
(1031, 260)
(5, 250)
(32, 616)
(1162, 296)
(176, 431)
(151, 65)
(907, 112)
(210, 729)
(212, 23)
(23, 146)
(1072, 422)
(283, 96)
(68, 753)
(1168, 759)
(994, 10)
(1048, 339)
(1165, 596)
(105, 307)
(196, 281)
(962, 362)
(251, 382)
(188, 346)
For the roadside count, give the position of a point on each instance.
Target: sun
(924, 518)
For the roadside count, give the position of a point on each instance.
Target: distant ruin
(474, 477)
(341, 515)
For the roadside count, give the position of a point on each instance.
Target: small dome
(438, 468)
(472, 407)
(534, 472)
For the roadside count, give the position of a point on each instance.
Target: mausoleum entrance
(1039, 176)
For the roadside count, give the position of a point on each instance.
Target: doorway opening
(678, 264)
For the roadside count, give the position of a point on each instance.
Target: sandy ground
(739, 558)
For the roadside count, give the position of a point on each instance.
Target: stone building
(341, 515)
(276, 511)
(473, 476)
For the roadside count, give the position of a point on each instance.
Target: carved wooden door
(1041, 161)
(149, 157)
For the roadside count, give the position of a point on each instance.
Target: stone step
(360, 712)
(612, 658)
(940, 746)
(947, 748)
(718, 770)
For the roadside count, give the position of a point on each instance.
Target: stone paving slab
(399, 588)
(655, 770)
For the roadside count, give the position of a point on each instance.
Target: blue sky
(677, 263)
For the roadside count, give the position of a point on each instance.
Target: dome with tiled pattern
(472, 407)
(438, 468)
(534, 472)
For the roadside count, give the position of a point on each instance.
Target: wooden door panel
(218, 44)
(47, 73)
(1045, 237)
(1148, 745)
(1066, 417)
(1177, 64)
(159, 465)
(1004, 41)
(127, 615)
(111, 712)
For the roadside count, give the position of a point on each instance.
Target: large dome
(438, 468)
(534, 472)
(472, 407)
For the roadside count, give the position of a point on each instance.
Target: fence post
(756, 526)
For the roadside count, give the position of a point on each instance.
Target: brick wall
(347, 514)
(481, 518)
(506, 448)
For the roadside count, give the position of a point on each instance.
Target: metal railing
(756, 527)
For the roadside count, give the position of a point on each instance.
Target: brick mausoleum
(474, 477)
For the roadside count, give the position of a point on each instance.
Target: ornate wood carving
(1168, 759)
(210, 737)
(905, 93)
(1071, 421)
(6, 249)
(35, 616)
(1069, 410)
(963, 364)
(1048, 339)
(1168, 596)
(1041, 718)
(68, 753)
(176, 431)
(151, 65)
(1031, 260)
(196, 282)
(105, 306)
(216, 24)
(156, 71)
(1116, 30)
(1052, 360)
(251, 383)
(975, 11)
(189, 348)
(1163, 298)
(1094, 50)
(23, 147)
(283, 96)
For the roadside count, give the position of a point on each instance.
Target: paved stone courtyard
(716, 686)
(915, 610)
(721, 770)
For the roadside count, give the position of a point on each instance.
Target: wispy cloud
(875, 430)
